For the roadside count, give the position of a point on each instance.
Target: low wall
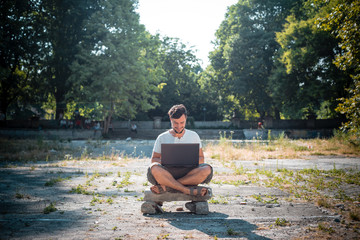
(63, 134)
(157, 124)
(122, 134)
(240, 134)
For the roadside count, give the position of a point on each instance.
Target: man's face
(178, 124)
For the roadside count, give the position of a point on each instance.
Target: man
(184, 180)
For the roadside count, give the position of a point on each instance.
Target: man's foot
(198, 191)
(158, 189)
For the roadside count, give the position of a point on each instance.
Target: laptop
(180, 154)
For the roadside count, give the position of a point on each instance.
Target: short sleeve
(157, 145)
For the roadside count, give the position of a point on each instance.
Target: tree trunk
(107, 119)
(277, 114)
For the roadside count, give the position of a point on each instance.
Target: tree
(20, 53)
(343, 22)
(180, 85)
(63, 24)
(113, 70)
(244, 56)
(306, 79)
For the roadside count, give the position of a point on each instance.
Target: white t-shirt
(166, 137)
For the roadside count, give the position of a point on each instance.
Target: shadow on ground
(214, 224)
(24, 198)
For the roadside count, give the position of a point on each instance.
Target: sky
(194, 22)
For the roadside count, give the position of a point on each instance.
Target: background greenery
(287, 59)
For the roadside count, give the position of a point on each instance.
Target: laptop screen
(180, 154)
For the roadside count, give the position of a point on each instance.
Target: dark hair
(177, 111)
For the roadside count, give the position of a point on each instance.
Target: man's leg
(194, 177)
(164, 178)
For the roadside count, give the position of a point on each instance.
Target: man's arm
(156, 157)
(201, 156)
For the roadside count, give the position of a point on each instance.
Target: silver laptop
(180, 154)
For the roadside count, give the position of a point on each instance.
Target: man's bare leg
(194, 177)
(164, 178)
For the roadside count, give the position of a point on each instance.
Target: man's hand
(156, 157)
(201, 156)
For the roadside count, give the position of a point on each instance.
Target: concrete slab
(112, 211)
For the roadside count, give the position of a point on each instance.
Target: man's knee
(207, 171)
(150, 173)
(156, 168)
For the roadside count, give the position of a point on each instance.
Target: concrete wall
(122, 134)
(158, 124)
(64, 134)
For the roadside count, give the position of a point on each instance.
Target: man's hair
(177, 111)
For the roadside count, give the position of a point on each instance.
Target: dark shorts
(177, 172)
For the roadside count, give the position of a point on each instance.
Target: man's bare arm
(201, 156)
(156, 157)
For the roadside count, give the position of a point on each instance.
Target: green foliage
(180, 79)
(22, 54)
(306, 79)
(115, 74)
(272, 58)
(351, 108)
(342, 20)
(62, 23)
(53, 181)
(281, 222)
(50, 208)
(244, 56)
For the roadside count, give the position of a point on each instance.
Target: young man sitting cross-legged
(181, 179)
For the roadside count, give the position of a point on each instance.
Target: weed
(50, 208)
(281, 222)
(220, 200)
(53, 181)
(323, 202)
(268, 200)
(110, 201)
(19, 195)
(323, 228)
(355, 216)
(80, 189)
(163, 236)
(125, 181)
(96, 200)
(230, 232)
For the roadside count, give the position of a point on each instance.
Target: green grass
(50, 208)
(53, 181)
(281, 222)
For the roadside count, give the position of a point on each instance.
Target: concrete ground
(101, 199)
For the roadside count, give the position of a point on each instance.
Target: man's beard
(179, 132)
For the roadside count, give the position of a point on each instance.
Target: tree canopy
(342, 21)
(272, 58)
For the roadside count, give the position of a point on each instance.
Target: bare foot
(198, 191)
(158, 189)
